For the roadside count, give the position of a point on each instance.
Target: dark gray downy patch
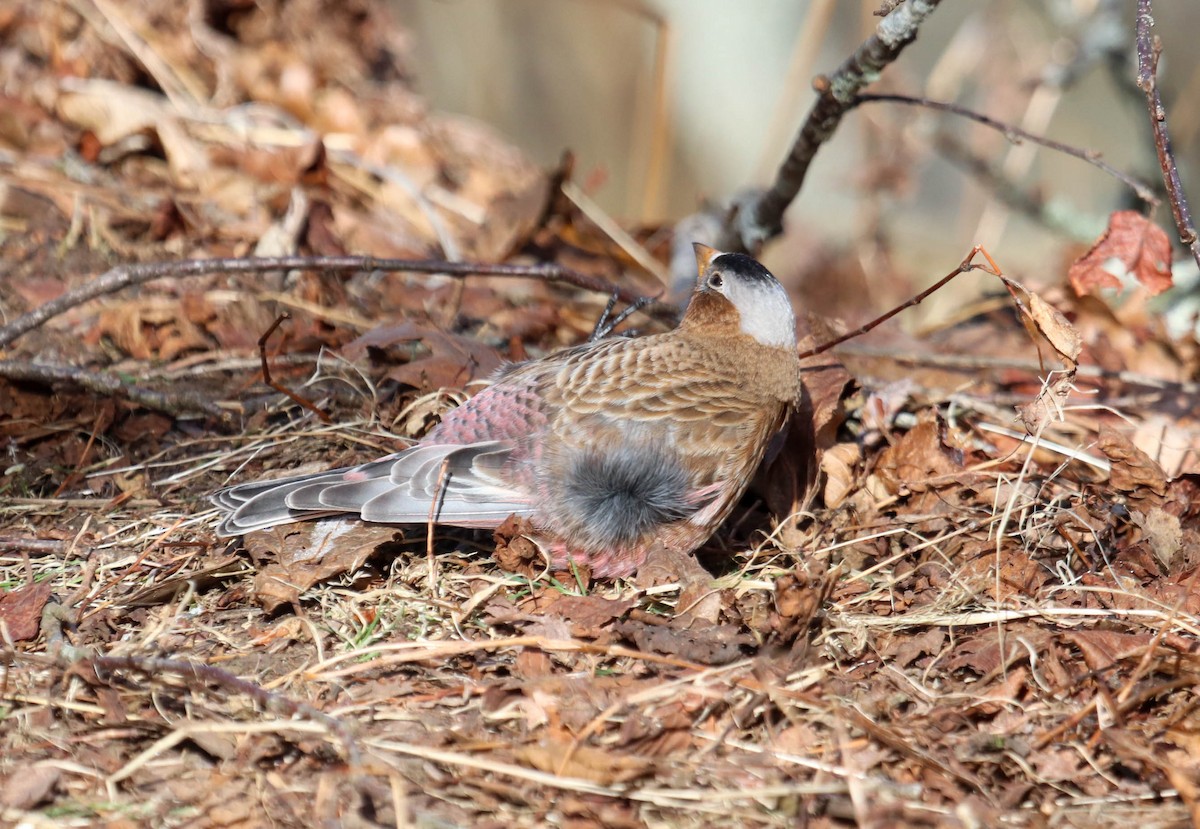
(619, 496)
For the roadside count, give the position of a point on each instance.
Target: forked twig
(279, 387)
(606, 324)
(967, 264)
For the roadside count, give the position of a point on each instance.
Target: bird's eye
(716, 281)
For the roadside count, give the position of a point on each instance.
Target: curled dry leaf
(111, 110)
(1047, 407)
(153, 327)
(1040, 317)
(1132, 469)
(1142, 248)
(515, 550)
(917, 460)
(1064, 337)
(838, 463)
(1164, 533)
(884, 403)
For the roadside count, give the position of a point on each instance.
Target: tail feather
(467, 482)
(263, 504)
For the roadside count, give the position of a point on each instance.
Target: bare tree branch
(1148, 50)
(753, 223)
(176, 403)
(190, 403)
(124, 276)
(1016, 135)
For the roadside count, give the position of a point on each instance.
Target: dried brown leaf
(1132, 469)
(453, 361)
(1047, 407)
(839, 464)
(1102, 649)
(1164, 533)
(21, 610)
(565, 757)
(699, 602)
(916, 460)
(708, 646)
(906, 648)
(294, 557)
(588, 614)
(515, 551)
(1142, 247)
(28, 786)
(1064, 337)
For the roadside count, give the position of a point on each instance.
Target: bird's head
(734, 286)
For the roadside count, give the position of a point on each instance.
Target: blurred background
(427, 127)
(669, 103)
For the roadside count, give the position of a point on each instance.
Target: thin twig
(979, 362)
(1016, 135)
(184, 402)
(279, 387)
(124, 276)
(607, 323)
(1006, 191)
(1054, 216)
(40, 546)
(967, 264)
(762, 219)
(1148, 50)
(268, 700)
(435, 511)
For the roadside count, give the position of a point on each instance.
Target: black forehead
(743, 266)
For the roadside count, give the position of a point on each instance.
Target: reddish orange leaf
(1141, 246)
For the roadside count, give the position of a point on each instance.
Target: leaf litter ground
(954, 626)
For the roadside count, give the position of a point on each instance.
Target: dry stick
(269, 700)
(40, 546)
(1016, 135)
(967, 264)
(435, 510)
(1148, 51)
(961, 362)
(189, 402)
(762, 219)
(282, 389)
(73, 477)
(124, 276)
(105, 383)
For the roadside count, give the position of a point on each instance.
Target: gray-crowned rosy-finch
(607, 448)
